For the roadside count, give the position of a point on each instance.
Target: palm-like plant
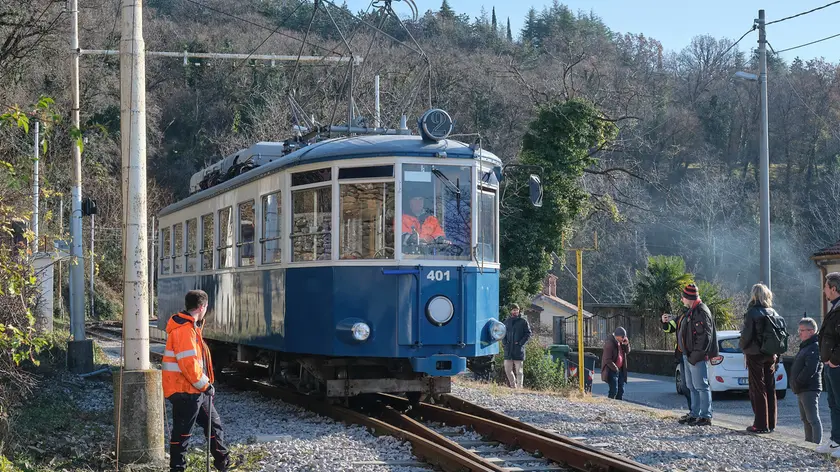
(658, 287)
(719, 304)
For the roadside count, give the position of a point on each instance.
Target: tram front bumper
(445, 365)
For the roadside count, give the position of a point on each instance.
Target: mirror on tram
(536, 188)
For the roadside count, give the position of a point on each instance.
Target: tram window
(311, 177)
(486, 250)
(437, 212)
(367, 221)
(365, 172)
(178, 240)
(166, 251)
(311, 224)
(192, 239)
(225, 238)
(246, 234)
(207, 242)
(271, 234)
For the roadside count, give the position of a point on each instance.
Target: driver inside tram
(416, 220)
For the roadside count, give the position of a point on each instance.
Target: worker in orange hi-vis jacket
(419, 221)
(188, 384)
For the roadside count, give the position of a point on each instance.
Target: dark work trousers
(188, 408)
(616, 382)
(831, 379)
(761, 371)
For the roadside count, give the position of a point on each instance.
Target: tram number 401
(438, 275)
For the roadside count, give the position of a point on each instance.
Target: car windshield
(730, 346)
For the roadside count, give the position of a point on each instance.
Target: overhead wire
(808, 44)
(800, 14)
(281, 23)
(754, 27)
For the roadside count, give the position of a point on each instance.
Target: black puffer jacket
(806, 372)
(518, 333)
(755, 320)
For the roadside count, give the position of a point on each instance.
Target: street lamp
(764, 154)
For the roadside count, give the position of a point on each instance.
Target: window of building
(178, 254)
(206, 242)
(271, 235)
(165, 251)
(226, 238)
(366, 230)
(246, 234)
(192, 240)
(311, 224)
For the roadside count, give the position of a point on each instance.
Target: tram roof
(355, 147)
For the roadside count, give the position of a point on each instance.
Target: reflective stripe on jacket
(187, 367)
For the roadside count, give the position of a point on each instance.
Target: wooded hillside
(679, 179)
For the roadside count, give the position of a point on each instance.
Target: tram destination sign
(435, 124)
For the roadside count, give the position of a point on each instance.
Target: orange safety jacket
(430, 229)
(187, 367)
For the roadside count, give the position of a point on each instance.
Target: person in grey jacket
(517, 334)
(806, 380)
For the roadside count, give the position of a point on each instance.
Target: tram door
(431, 307)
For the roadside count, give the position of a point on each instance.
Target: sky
(674, 23)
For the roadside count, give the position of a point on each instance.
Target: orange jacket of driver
(187, 367)
(430, 229)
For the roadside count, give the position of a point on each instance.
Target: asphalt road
(734, 407)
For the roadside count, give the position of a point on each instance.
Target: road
(733, 407)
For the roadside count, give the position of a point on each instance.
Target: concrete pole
(138, 392)
(92, 267)
(35, 189)
(764, 158)
(80, 350)
(376, 117)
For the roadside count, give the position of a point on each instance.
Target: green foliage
(719, 304)
(559, 141)
(658, 287)
(539, 371)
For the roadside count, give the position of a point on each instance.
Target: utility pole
(579, 261)
(92, 267)
(35, 189)
(79, 350)
(138, 388)
(764, 158)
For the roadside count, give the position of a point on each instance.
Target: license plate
(743, 381)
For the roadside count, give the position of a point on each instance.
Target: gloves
(211, 391)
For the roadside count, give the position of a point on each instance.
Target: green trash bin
(559, 352)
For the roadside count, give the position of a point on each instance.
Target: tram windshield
(436, 212)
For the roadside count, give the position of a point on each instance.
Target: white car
(728, 371)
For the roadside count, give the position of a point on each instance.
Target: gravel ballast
(627, 430)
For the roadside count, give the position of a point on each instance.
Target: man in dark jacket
(829, 339)
(697, 340)
(517, 335)
(806, 381)
(614, 362)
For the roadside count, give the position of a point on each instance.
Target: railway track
(458, 435)
(112, 332)
(454, 435)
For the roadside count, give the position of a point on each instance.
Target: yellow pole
(579, 256)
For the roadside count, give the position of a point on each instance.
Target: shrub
(540, 372)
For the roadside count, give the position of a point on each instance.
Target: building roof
(833, 250)
(563, 304)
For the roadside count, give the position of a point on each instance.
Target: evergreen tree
(509, 34)
(529, 31)
(494, 23)
(446, 11)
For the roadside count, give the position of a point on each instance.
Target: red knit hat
(690, 292)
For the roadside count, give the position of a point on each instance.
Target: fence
(643, 332)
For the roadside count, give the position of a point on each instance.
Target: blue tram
(350, 265)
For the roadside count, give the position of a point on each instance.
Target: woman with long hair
(761, 367)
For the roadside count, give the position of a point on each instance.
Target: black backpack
(774, 338)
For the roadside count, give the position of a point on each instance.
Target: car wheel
(780, 394)
(677, 381)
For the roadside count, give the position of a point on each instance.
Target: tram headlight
(497, 330)
(361, 331)
(439, 310)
